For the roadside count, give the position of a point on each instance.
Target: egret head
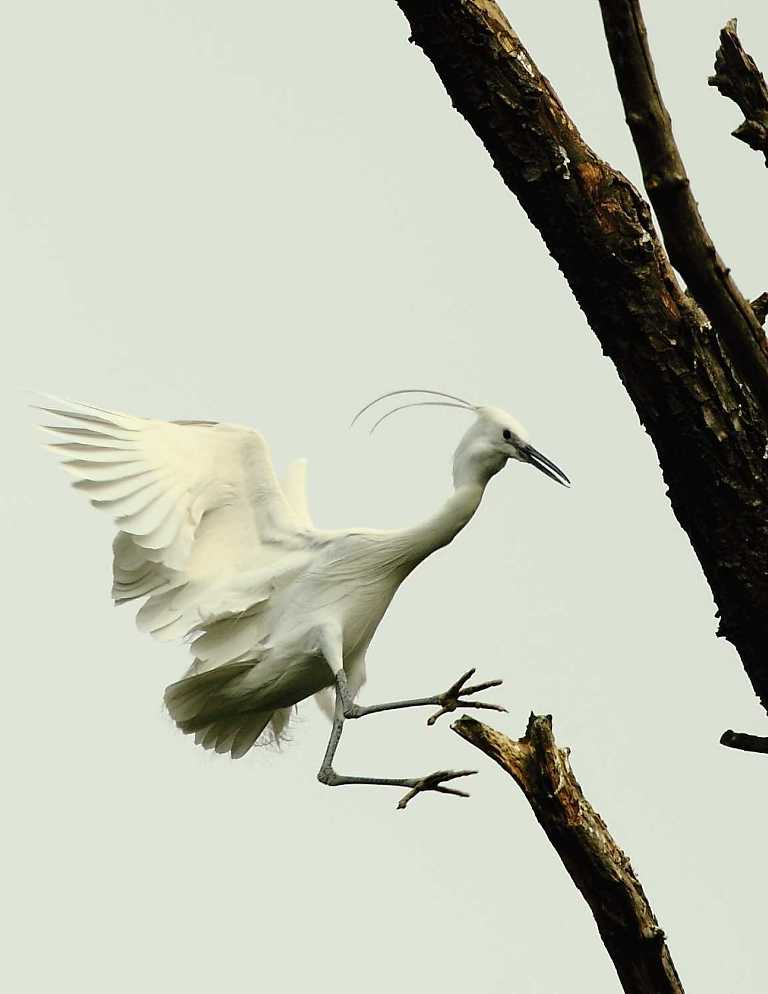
(489, 443)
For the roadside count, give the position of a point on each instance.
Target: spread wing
(206, 532)
(294, 485)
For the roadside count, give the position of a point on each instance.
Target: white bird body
(228, 557)
(341, 589)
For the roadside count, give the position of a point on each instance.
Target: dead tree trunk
(696, 369)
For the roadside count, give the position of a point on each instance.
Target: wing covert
(204, 525)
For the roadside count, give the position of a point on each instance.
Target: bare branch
(738, 78)
(740, 740)
(708, 431)
(690, 247)
(596, 864)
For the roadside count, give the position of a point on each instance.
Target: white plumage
(226, 556)
(206, 533)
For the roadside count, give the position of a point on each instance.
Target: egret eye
(507, 435)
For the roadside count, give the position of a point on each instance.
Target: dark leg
(433, 781)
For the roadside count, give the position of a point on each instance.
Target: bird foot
(434, 782)
(454, 697)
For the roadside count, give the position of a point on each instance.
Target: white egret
(225, 555)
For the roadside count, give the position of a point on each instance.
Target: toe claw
(438, 714)
(454, 697)
(455, 688)
(434, 782)
(476, 688)
(482, 705)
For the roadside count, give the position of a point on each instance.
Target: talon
(434, 782)
(438, 714)
(454, 697)
(477, 687)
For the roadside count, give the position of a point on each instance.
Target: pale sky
(268, 214)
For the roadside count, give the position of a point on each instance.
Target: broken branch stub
(595, 862)
(738, 78)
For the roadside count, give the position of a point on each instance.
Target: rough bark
(707, 427)
(596, 864)
(738, 78)
(691, 250)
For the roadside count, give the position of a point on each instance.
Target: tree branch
(690, 247)
(588, 851)
(738, 78)
(709, 433)
(740, 740)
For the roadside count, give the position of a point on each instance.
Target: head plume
(450, 400)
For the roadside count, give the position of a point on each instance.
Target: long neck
(442, 527)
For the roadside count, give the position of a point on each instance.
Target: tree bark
(738, 78)
(707, 427)
(596, 864)
(691, 250)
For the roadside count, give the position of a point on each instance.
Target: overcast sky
(270, 213)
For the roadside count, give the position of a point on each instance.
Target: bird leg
(418, 785)
(448, 701)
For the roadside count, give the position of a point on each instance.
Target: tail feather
(191, 697)
(236, 735)
(198, 708)
(249, 732)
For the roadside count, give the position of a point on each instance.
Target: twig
(741, 740)
(690, 247)
(589, 853)
(738, 78)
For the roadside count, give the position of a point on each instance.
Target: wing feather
(124, 507)
(205, 529)
(76, 434)
(107, 490)
(294, 485)
(148, 521)
(89, 469)
(95, 453)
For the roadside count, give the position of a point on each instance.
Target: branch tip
(738, 78)
(743, 741)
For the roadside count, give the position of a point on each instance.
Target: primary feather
(206, 533)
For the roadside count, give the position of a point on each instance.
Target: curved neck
(442, 527)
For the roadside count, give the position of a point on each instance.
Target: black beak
(535, 458)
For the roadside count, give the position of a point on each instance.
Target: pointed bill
(540, 461)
